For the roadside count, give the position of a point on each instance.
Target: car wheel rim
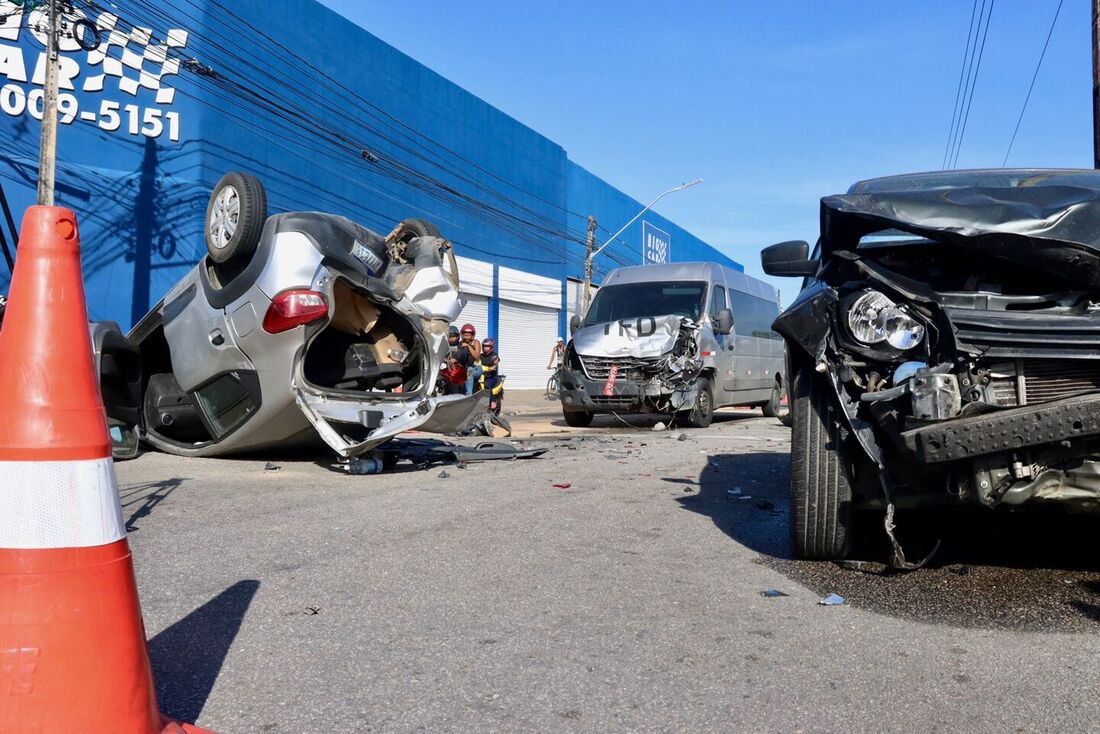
(704, 404)
(224, 217)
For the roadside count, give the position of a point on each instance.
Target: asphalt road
(305, 600)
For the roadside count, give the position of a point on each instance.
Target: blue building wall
(330, 118)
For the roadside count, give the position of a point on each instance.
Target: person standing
(557, 355)
(469, 356)
(490, 367)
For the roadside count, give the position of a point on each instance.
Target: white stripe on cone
(59, 504)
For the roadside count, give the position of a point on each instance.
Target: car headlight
(873, 318)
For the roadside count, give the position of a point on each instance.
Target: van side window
(754, 316)
(717, 300)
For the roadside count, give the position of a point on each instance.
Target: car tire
(775, 408)
(821, 489)
(702, 411)
(235, 218)
(577, 418)
(412, 228)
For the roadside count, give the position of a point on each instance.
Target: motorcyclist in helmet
(469, 356)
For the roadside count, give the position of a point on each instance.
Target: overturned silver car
(293, 327)
(945, 348)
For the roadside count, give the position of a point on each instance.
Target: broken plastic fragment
(658, 426)
(563, 485)
(832, 600)
(443, 474)
(772, 593)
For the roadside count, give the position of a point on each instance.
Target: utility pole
(47, 150)
(591, 251)
(1096, 83)
(589, 248)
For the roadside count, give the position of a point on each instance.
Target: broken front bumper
(578, 393)
(1006, 430)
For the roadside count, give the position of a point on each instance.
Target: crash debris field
(281, 595)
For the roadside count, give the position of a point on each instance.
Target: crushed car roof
(1054, 226)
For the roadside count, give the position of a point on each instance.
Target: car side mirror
(574, 323)
(723, 321)
(788, 259)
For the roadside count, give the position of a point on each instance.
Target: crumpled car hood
(649, 336)
(1054, 228)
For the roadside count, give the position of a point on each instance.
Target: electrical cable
(1031, 86)
(395, 168)
(959, 86)
(974, 84)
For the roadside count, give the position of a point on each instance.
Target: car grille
(598, 368)
(1032, 381)
(1011, 334)
(614, 401)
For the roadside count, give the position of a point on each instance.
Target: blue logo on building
(656, 245)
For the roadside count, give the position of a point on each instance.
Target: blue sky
(775, 104)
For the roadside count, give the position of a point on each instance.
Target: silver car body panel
(205, 341)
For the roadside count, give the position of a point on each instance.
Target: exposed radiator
(1032, 381)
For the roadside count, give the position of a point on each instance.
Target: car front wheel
(821, 489)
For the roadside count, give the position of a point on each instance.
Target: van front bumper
(580, 394)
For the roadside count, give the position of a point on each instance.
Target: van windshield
(660, 298)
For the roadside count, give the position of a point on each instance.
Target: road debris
(563, 485)
(658, 426)
(832, 600)
(363, 465)
(272, 466)
(443, 474)
(771, 593)
(682, 437)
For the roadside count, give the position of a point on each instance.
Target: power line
(1031, 86)
(229, 90)
(973, 83)
(959, 86)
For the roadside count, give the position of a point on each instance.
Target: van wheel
(235, 217)
(821, 490)
(577, 418)
(702, 412)
(775, 408)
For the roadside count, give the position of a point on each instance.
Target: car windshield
(632, 300)
(942, 180)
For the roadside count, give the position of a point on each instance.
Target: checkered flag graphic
(142, 63)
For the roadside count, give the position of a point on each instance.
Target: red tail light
(294, 308)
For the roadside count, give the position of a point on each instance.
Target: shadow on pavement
(1036, 569)
(646, 421)
(144, 497)
(188, 656)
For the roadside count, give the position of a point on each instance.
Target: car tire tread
(821, 490)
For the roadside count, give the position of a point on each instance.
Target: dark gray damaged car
(944, 349)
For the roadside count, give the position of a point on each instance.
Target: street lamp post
(591, 251)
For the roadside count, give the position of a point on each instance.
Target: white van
(681, 339)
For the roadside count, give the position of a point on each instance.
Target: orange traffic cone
(72, 642)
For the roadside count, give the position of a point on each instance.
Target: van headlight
(873, 318)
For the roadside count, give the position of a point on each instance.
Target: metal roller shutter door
(526, 335)
(476, 312)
